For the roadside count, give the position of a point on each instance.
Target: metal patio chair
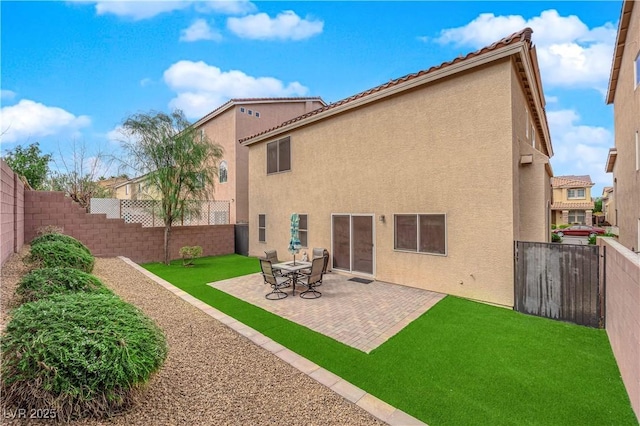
(313, 279)
(276, 282)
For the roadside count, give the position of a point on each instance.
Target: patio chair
(272, 255)
(319, 252)
(313, 279)
(276, 282)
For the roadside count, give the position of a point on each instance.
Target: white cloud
(200, 30)
(138, 10)
(287, 25)
(201, 87)
(227, 7)
(569, 52)
(146, 82)
(579, 149)
(7, 94)
(29, 119)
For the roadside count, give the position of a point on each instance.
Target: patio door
(352, 243)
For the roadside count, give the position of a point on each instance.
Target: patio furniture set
(280, 275)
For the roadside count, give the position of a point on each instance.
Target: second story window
(279, 156)
(223, 172)
(576, 193)
(637, 67)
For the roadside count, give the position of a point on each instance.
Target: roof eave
(515, 48)
(621, 37)
(611, 160)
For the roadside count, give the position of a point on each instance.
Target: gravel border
(212, 376)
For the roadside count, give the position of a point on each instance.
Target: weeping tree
(178, 163)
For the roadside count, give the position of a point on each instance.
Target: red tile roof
(572, 206)
(523, 35)
(571, 181)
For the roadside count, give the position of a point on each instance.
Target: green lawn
(461, 363)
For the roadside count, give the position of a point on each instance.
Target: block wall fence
(622, 304)
(12, 212)
(113, 237)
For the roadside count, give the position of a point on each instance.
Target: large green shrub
(555, 238)
(54, 254)
(45, 282)
(47, 238)
(82, 355)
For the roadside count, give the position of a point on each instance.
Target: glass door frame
(373, 243)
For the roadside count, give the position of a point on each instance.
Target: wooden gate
(558, 281)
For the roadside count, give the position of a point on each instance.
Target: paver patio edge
(364, 400)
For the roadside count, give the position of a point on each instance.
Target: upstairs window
(222, 172)
(637, 67)
(576, 193)
(279, 156)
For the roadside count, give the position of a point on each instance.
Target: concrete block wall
(622, 292)
(113, 237)
(11, 212)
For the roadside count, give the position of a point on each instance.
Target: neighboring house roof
(571, 181)
(611, 160)
(621, 39)
(572, 206)
(133, 180)
(248, 101)
(606, 191)
(494, 51)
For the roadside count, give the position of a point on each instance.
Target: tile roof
(572, 206)
(237, 101)
(571, 181)
(523, 35)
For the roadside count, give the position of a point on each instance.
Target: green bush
(592, 239)
(81, 355)
(54, 254)
(553, 226)
(46, 282)
(47, 238)
(188, 253)
(566, 225)
(555, 238)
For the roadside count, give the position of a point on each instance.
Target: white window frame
(126, 189)
(576, 197)
(223, 172)
(278, 144)
(262, 228)
(417, 250)
(636, 74)
(576, 214)
(526, 113)
(533, 136)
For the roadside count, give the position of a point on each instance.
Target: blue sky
(73, 71)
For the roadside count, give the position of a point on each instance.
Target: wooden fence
(558, 281)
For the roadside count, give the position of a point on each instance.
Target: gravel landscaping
(212, 375)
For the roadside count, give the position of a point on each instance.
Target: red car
(579, 230)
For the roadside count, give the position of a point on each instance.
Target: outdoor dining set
(281, 275)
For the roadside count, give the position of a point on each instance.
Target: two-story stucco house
(237, 119)
(572, 201)
(424, 181)
(609, 206)
(624, 94)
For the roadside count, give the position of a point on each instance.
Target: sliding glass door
(352, 240)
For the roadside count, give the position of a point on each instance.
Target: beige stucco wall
(609, 207)
(231, 125)
(560, 195)
(445, 148)
(627, 122)
(531, 182)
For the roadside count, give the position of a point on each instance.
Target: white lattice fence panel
(218, 213)
(108, 206)
(140, 211)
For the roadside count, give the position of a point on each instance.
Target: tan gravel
(212, 375)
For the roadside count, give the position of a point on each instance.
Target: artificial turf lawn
(460, 363)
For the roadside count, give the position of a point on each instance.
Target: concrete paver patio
(359, 315)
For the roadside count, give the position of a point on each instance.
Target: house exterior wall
(531, 182)
(626, 109)
(233, 124)
(436, 149)
(560, 195)
(609, 208)
(11, 212)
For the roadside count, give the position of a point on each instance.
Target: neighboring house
(424, 181)
(237, 119)
(110, 184)
(133, 189)
(572, 200)
(624, 93)
(609, 205)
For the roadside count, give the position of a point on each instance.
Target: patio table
(292, 268)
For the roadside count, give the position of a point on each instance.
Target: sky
(73, 71)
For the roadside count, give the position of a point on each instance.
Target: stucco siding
(445, 148)
(627, 123)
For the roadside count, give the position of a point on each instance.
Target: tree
(31, 163)
(78, 174)
(178, 162)
(597, 205)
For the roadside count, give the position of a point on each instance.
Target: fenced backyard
(146, 212)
